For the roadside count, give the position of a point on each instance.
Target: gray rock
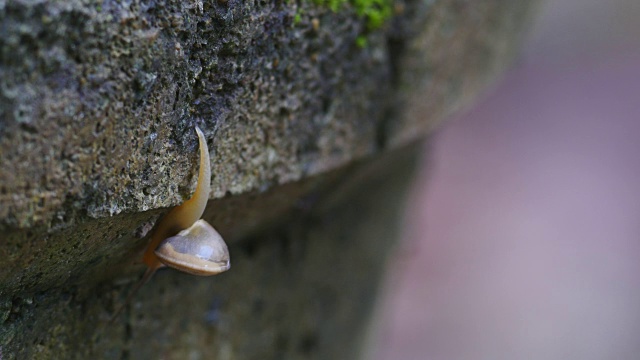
(312, 137)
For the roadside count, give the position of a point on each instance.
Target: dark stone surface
(300, 288)
(98, 101)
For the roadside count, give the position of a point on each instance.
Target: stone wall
(313, 119)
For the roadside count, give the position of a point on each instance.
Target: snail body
(181, 239)
(185, 215)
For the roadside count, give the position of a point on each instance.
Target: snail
(182, 240)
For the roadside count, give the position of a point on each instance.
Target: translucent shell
(198, 250)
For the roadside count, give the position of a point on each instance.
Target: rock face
(312, 118)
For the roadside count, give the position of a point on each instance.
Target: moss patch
(376, 12)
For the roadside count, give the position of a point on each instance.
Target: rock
(312, 117)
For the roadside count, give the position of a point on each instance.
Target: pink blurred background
(523, 234)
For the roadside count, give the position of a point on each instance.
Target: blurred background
(523, 234)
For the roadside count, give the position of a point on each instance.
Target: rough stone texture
(300, 291)
(97, 106)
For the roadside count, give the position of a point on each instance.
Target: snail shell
(198, 250)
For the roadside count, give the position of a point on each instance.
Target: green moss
(361, 41)
(376, 12)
